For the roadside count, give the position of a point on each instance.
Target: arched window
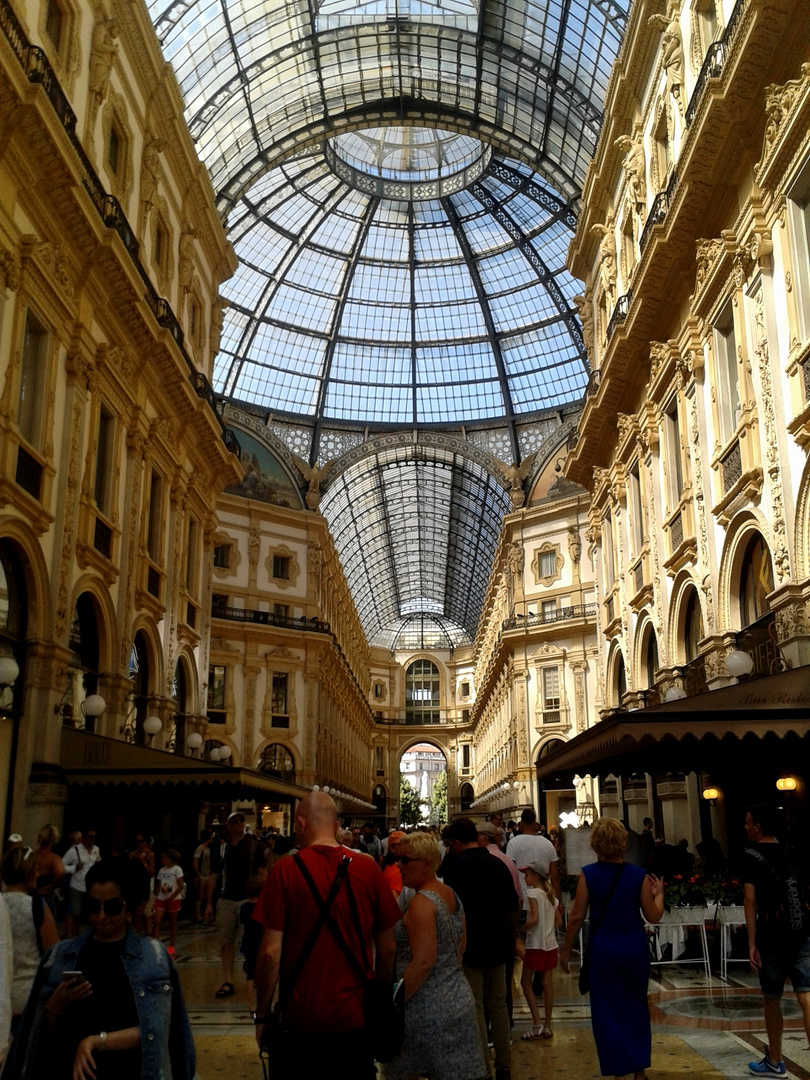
(379, 798)
(756, 581)
(82, 671)
(139, 695)
(621, 680)
(692, 626)
(276, 760)
(422, 694)
(13, 623)
(467, 797)
(177, 741)
(651, 663)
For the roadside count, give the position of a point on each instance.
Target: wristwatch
(102, 1040)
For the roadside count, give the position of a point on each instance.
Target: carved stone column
(579, 667)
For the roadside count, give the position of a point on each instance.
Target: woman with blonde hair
(617, 951)
(441, 1030)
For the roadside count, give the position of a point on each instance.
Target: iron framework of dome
(400, 180)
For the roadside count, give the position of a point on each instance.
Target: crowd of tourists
(355, 947)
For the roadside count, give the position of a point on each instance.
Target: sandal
(532, 1034)
(546, 1033)
(226, 990)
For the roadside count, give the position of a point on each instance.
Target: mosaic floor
(707, 1029)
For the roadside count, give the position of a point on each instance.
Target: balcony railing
(546, 618)
(620, 312)
(431, 719)
(658, 211)
(269, 618)
(715, 60)
(731, 466)
(38, 69)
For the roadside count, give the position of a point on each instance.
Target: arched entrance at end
(423, 784)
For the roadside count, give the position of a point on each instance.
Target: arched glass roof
(350, 306)
(416, 527)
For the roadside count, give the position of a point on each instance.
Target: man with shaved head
(320, 989)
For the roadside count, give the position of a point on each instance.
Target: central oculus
(407, 162)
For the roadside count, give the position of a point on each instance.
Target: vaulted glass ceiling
(400, 179)
(351, 306)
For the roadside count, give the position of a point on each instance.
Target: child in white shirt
(540, 950)
(169, 890)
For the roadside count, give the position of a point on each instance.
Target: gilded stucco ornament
(585, 308)
(150, 168)
(707, 252)
(515, 475)
(316, 476)
(10, 266)
(779, 100)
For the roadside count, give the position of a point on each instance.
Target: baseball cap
(396, 838)
(15, 838)
(236, 814)
(486, 828)
(537, 866)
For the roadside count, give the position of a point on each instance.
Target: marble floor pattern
(705, 1029)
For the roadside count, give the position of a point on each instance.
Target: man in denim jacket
(61, 1012)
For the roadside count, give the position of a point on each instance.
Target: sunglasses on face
(110, 907)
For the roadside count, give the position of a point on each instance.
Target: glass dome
(351, 306)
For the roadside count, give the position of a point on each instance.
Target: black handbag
(584, 981)
(383, 1011)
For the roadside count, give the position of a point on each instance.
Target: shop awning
(769, 716)
(95, 759)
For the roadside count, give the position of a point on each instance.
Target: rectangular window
(32, 380)
(465, 756)
(114, 150)
(281, 567)
(159, 249)
(549, 610)
(153, 530)
(191, 557)
(217, 678)
(281, 611)
(465, 689)
(53, 24)
(219, 603)
(551, 688)
(104, 461)
(548, 564)
(222, 556)
(637, 523)
(607, 549)
(674, 452)
(728, 395)
(280, 681)
(378, 760)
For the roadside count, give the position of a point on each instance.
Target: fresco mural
(265, 478)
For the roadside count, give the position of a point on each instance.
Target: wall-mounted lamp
(194, 741)
(738, 662)
(9, 673)
(152, 725)
(93, 706)
(711, 795)
(786, 783)
(225, 754)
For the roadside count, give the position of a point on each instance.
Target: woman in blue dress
(617, 893)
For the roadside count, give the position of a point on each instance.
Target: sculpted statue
(103, 50)
(574, 544)
(185, 269)
(516, 559)
(607, 258)
(515, 475)
(315, 475)
(634, 166)
(217, 317)
(150, 168)
(671, 50)
(585, 309)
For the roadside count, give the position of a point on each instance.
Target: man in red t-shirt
(324, 1009)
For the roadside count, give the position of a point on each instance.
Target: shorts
(168, 905)
(228, 926)
(75, 904)
(540, 959)
(778, 962)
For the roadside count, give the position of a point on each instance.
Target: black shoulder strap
(330, 922)
(285, 990)
(38, 910)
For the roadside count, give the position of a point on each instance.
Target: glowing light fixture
(739, 662)
(786, 783)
